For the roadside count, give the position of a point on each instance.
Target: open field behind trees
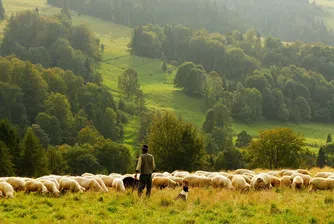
(156, 85)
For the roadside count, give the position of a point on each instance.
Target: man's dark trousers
(145, 180)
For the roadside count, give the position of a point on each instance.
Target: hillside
(156, 85)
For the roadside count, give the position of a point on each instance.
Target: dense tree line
(2, 11)
(58, 101)
(253, 78)
(289, 20)
(52, 42)
(177, 145)
(27, 156)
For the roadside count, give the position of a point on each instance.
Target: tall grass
(203, 206)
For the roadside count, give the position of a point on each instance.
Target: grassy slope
(157, 86)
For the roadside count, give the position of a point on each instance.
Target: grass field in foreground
(156, 85)
(203, 206)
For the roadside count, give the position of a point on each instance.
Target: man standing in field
(145, 167)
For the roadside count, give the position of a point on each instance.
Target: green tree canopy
(175, 144)
(2, 11)
(243, 139)
(114, 157)
(6, 165)
(277, 148)
(89, 135)
(128, 82)
(11, 140)
(34, 160)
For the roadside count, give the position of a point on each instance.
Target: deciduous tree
(175, 144)
(277, 148)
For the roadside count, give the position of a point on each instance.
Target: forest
(255, 79)
(288, 20)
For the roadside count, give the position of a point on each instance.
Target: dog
(184, 193)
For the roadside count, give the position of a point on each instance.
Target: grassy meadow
(156, 85)
(203, 206)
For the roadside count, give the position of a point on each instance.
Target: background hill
(157, 86)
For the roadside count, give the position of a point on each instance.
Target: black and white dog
(184, 193)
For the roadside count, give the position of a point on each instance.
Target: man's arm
(153, 164)
(138, 165)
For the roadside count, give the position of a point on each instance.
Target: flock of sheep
(244, 180)
(241, 180)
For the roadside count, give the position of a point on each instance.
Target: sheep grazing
(163, 182)
(88, 184)
(305, 172)
(243, 171)
(99, 181)
(6, 190)
(16, 182)
(51, 186)
(177, 180)
(115, 175)
(286, 181)
(273, 173)
(197, 181)
(239, 183)
(261, 181)
(222, 182)
(320, 183)
(35, 186)
(180, 174)
(118, 184)
(297, 183)
(275, 181)
(324, 174)
(107, 180)
(67, 184)
(87, 174)
(202, 173)
(306, 178)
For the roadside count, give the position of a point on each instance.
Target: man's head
(144, 149)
